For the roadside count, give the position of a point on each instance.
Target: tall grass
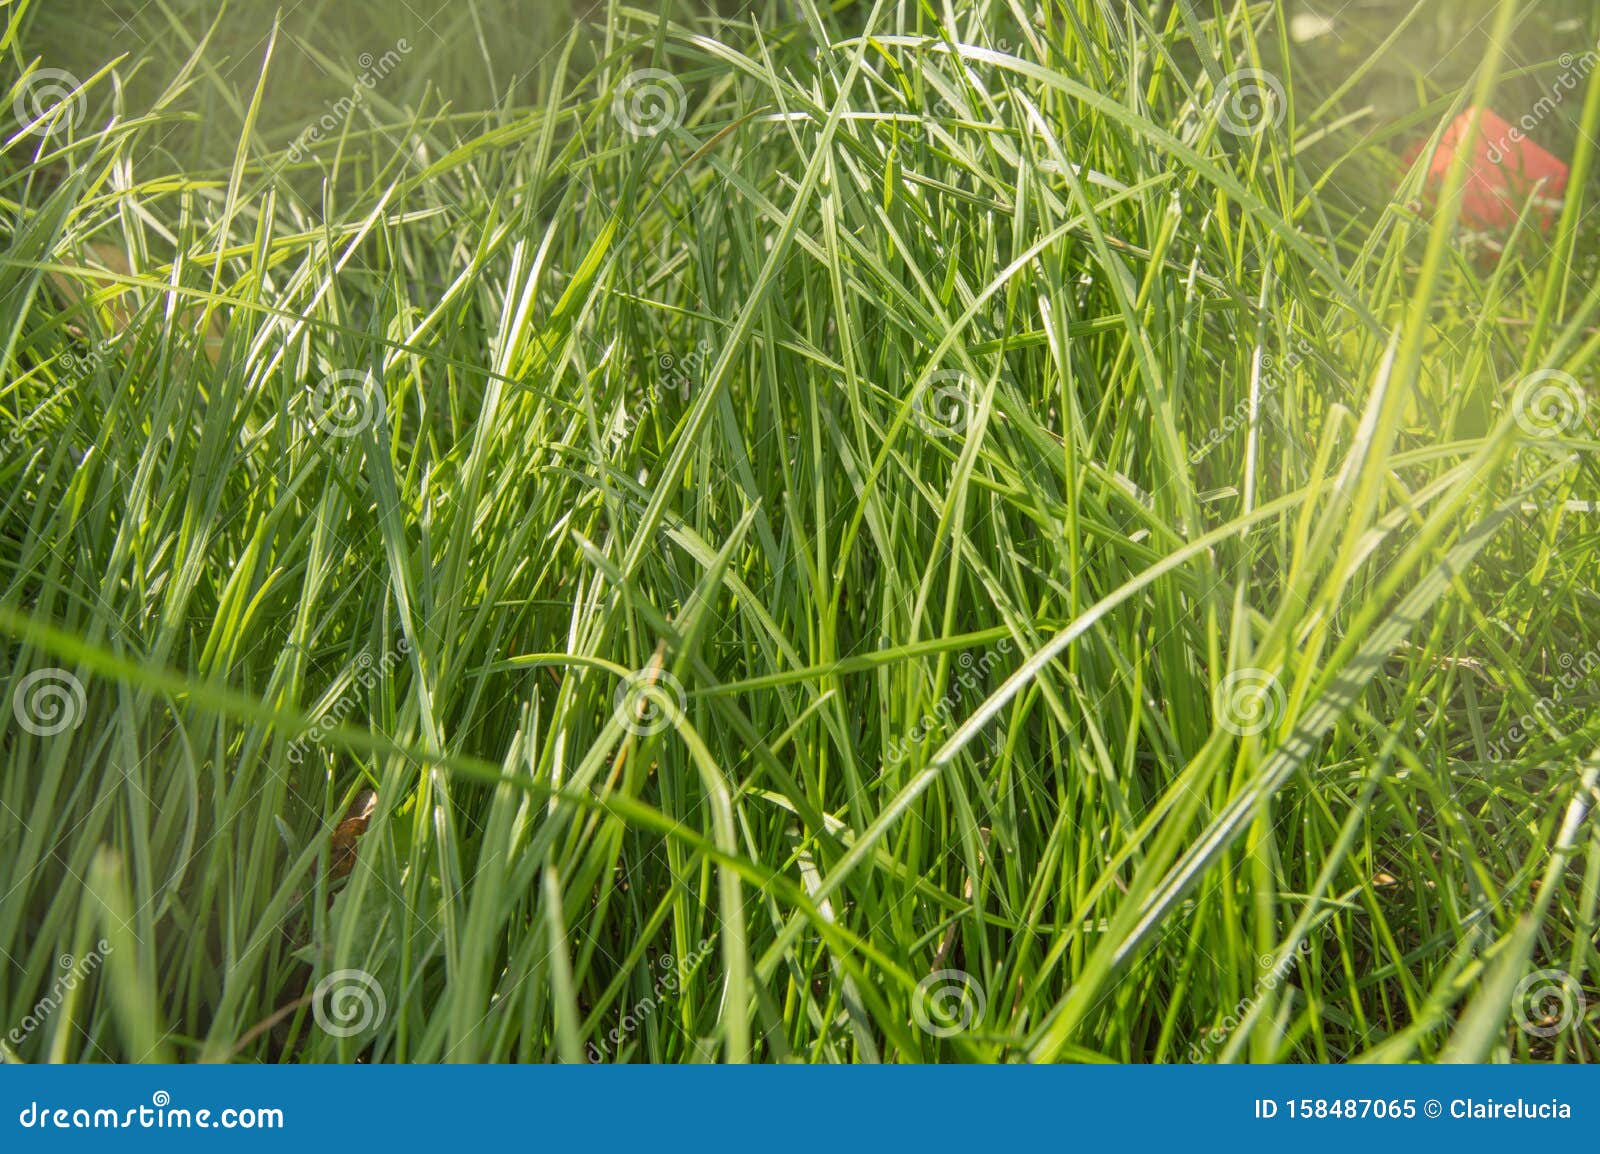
(906, 533)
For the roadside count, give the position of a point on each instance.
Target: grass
(904, 539)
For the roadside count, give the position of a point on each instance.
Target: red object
(1503, 170)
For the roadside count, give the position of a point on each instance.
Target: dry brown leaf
(342, 844)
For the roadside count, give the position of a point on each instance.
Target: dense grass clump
(891, 532)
